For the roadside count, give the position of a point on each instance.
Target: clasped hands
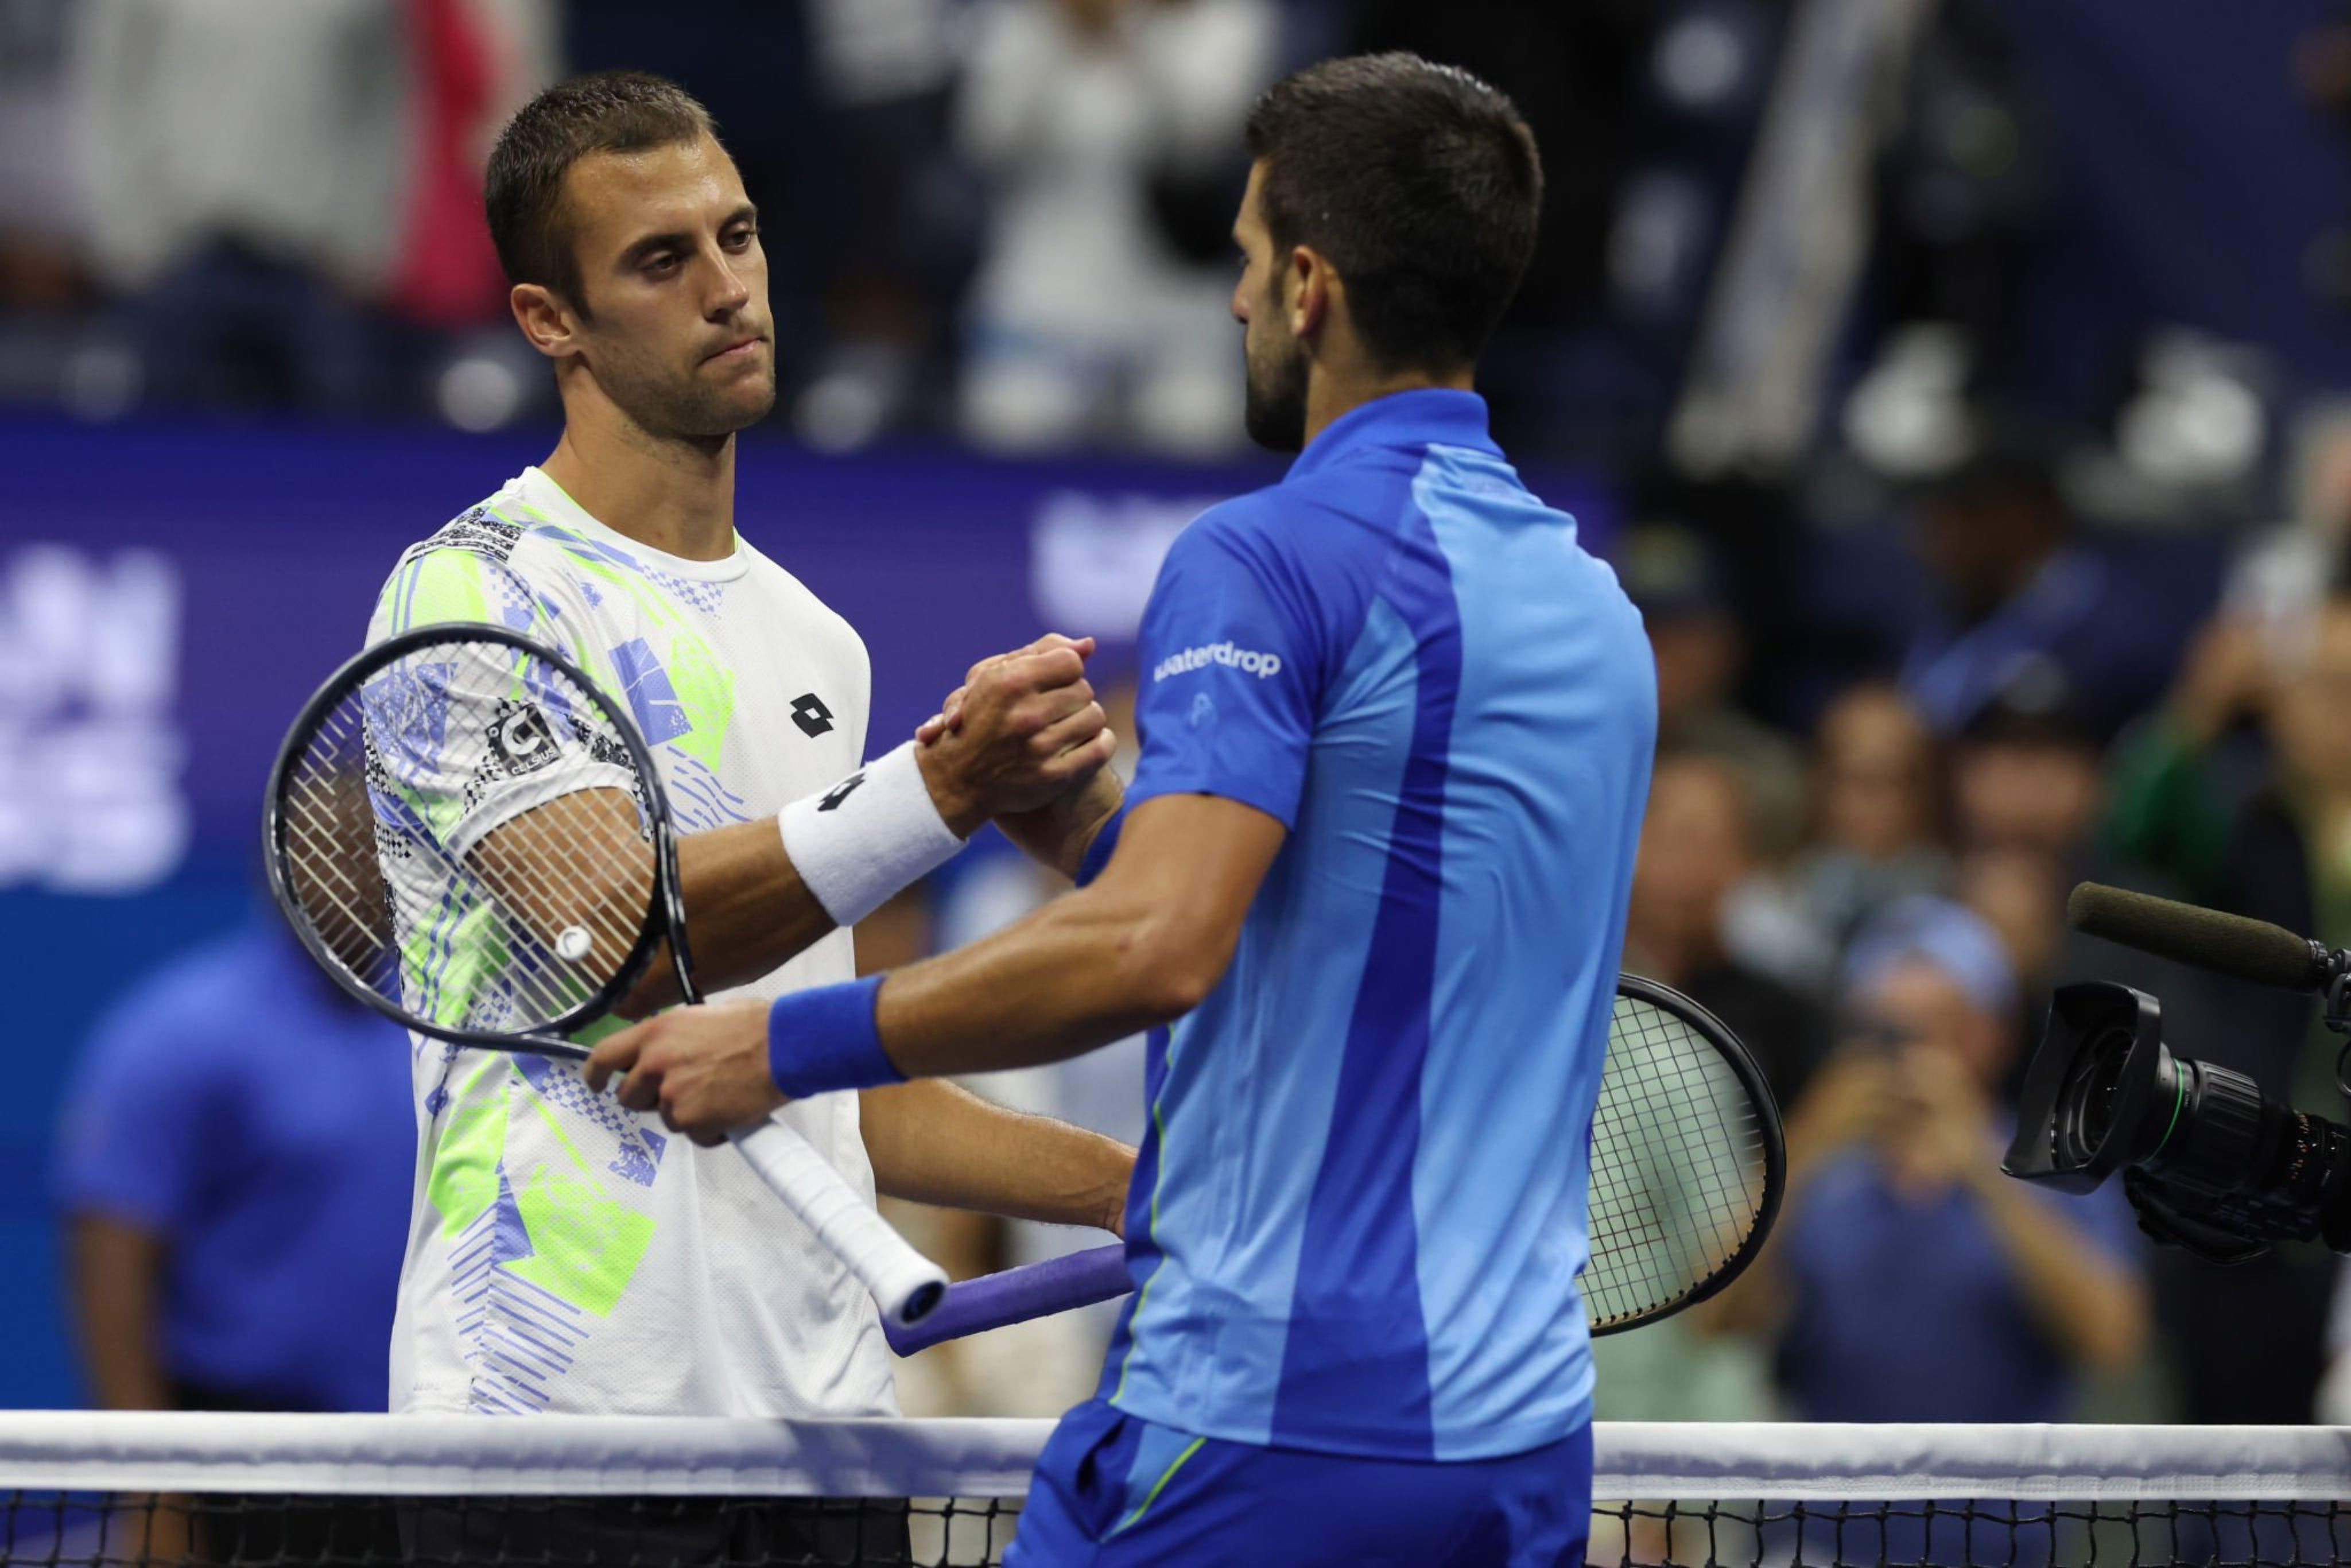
(1023, 741)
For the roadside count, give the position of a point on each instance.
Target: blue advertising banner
(169, 594)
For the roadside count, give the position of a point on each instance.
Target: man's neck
(673, 496)
(1334, 393)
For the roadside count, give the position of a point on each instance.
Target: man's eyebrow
(680, 240)
(642, 248)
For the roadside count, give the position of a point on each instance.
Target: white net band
(574, 1456)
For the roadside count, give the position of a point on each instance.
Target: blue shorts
(1113, 1491)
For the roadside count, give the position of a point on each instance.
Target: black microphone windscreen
(2252, 950)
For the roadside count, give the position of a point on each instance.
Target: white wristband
(869, 838)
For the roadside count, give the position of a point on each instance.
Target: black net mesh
(289, 1530)
(317, 1532)
(1973, 1531)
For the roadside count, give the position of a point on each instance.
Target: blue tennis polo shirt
(262, 1124)
(1359, 1212)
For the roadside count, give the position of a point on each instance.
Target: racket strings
(543, 913)
(1679, 1166)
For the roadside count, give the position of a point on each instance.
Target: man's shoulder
(782, 603)
(1290, 522)
(199, 1000)
(485, 564)
(492, 529)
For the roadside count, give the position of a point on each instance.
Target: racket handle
(905, 1284)
(1016, 1295)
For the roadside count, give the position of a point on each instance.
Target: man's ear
(1311, 284)
(548, 324)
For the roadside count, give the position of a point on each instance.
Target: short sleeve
(468, 740)
(130, 1146)
(1232, 669)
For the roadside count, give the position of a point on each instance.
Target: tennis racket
(1687, 1168)
(470, 837)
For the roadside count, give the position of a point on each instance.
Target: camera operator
(1910, 1281)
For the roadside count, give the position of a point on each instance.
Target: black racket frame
(665, 907)
(1734, 1052)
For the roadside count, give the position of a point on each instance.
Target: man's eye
(661, 266)
(741, 238)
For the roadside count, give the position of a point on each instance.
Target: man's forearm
(933, 1142)
(1082, 971)
(748, 912)
(2094, 1308)
(117, 1277)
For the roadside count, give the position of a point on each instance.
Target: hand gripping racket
(472, 838)
(1687, 1168)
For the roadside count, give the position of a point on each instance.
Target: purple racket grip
(1016, 1295)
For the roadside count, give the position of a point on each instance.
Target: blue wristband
(826, 1039)
(1105, 844)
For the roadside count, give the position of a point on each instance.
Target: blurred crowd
(1978, 560)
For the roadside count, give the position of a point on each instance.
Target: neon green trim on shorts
(1160, 1485)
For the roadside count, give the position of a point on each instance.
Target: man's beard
(1274, 410)
(685, 409)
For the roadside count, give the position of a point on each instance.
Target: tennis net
(366, 1489)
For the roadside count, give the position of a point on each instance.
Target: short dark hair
(1420, 183)
(611, 112)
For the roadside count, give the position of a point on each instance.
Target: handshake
(1024, 743)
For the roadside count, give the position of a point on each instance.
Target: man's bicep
(579, 859)
(1199, 859)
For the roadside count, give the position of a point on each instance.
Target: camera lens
(2086, 1106)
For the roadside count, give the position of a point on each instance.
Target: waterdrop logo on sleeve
(1250, 662)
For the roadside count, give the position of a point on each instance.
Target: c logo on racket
(520, 740)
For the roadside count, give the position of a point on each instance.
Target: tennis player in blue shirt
(1373, 869)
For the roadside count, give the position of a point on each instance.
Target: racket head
(1688, 1164)
(423, 834)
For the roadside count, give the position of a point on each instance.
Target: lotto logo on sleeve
(1250, 662)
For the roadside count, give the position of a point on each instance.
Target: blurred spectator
(2171, 805)
(238, 1156)
(259, 176)
(1915, 1282)
(1908, 1279)
(2021, 601)
(2025, 777)
(2020, 894)
(1676, 579)
(1696, 848)
(1085, 310)
(899, 238)
(41, 215)
(1877, 832)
